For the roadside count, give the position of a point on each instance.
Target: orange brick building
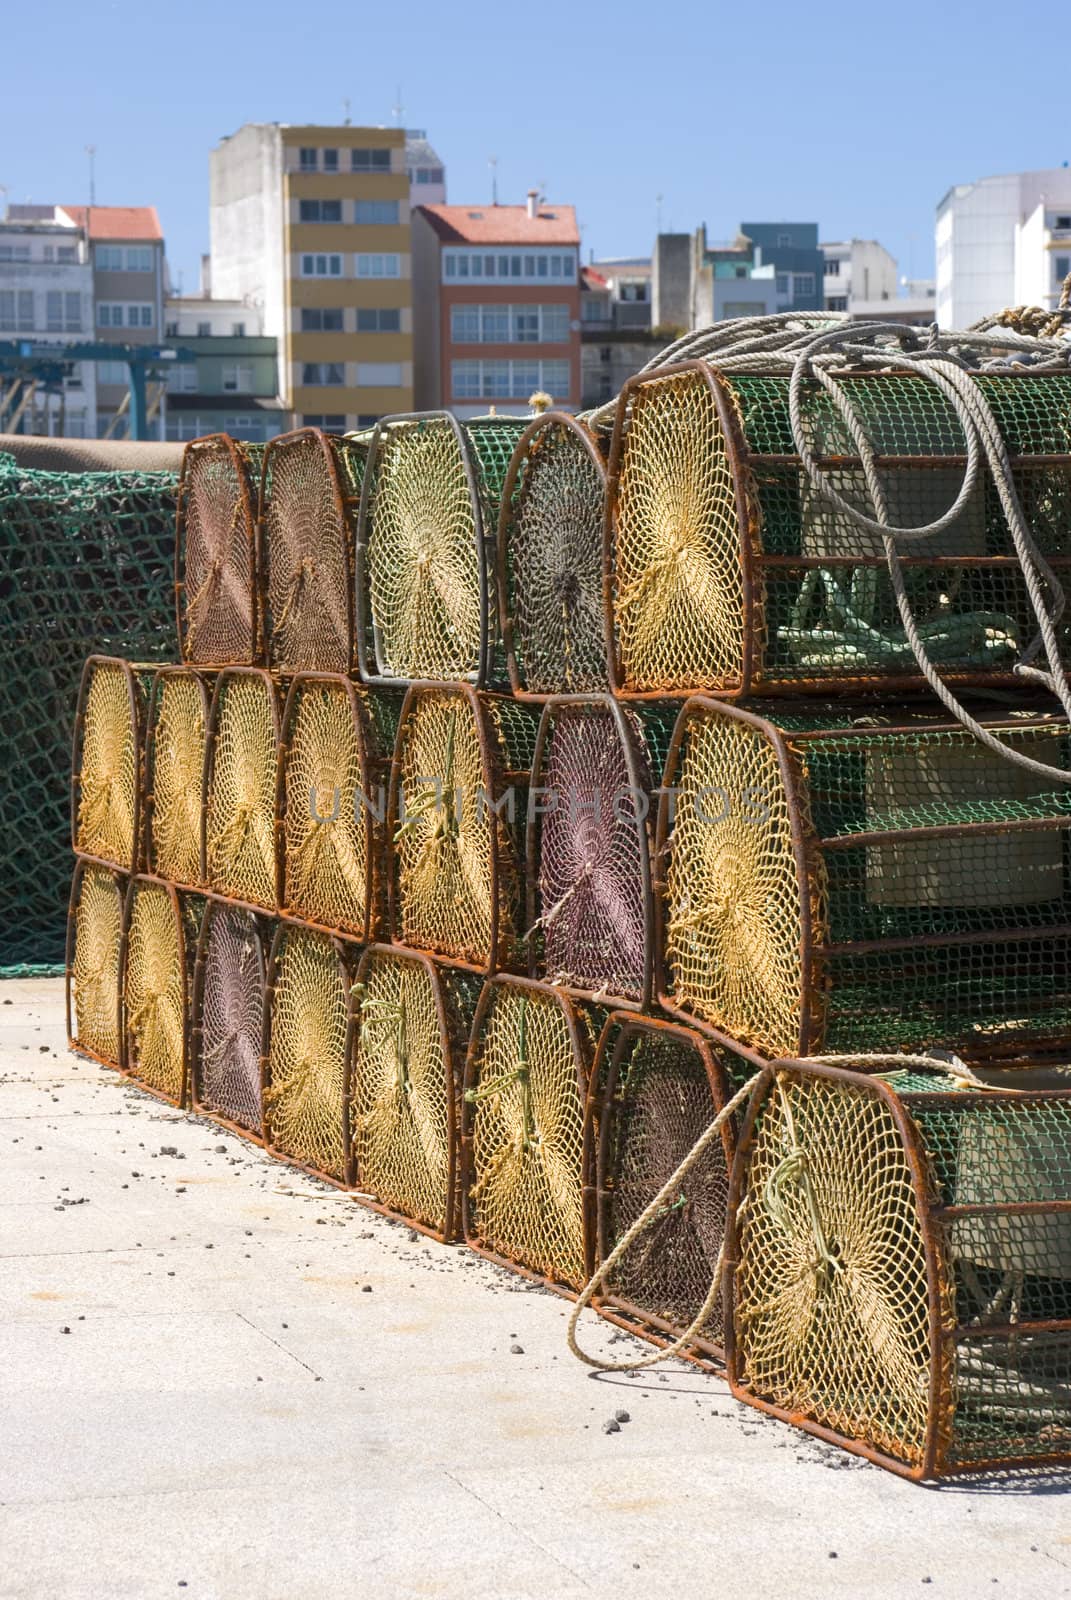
(496, 306)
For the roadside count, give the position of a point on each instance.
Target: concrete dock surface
(220, 1379)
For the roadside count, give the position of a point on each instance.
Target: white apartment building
(854, 271)
(1002, 241)
(46, 294)
(427, 175)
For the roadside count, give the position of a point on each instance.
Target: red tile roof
(592, 279)
(503, 224)
(118, 222)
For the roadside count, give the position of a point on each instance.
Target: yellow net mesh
(303, 1103)
(216, 522)
(240, 806)
(93, 974)
(109, 761)
(423, 565)
(525, 1099)
(155, 991)
(330, 796)
(177, 751)
(831, 1293)
(678, 599)
(401, 1091)
(444, 837)
(306, 554)
(732, 911)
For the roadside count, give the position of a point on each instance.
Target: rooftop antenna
(398, 110)
(91, 152)
(493, 164)
(346, 112)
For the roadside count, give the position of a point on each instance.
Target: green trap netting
(86, 564)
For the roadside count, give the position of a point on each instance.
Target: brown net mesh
(95, 931)
(525, 1083)
(410, 1028)
(458, 806)
(677, 590)
(591, 910)
(550, 560)
(848, 1266)
(309, 507)
(107, 761)
(240, 854)
(174, 766)
(155, 987)
(216, 552)
(229, 995)
(661, 1087)
(882, 883)
(303, 1099)
(336, 765)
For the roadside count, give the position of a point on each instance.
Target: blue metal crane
(49, 364)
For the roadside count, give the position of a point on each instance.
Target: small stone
(622, 1416)
(366, 1288)
(43, 1048)
(612, 1426)
(169, 1150)
(221, 1149)
(516, 1349)
(65, 1330)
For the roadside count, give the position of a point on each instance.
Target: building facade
(1002, 241)
(126, 246)
(768, 267)
(498, 306)
(310, 225)
(46, 294)
(792, 249)
(427, 175)
(855, 272)
(233, 386)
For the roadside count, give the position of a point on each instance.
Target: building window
(108, 258)
(379, 374)
(7, 311)
(1062, 266)
(238, 330)
(54, 311)
(323, 374)
(508, 380)
(781, 282)
(330, 160)
(237, 378)
(115, 372)
(531, 324)
(836, 302)
(204, 330)
(315, 319)
(802, 285)
(47, 253)
(379, 266)
(320, 210)
(14, 252)
(370, 160)
(559, 266)
(114, 258)
(330, 424)
(831, 267)
(1063, 222)
(171, 330)
(308, 159)
(429, 174)
(109, 315)
(784, 241)
(384, 320)
(72, 311)
(181, 378)
(377, 211)
(321, 266)
(137, 316)
(367, 419)
(67, 252)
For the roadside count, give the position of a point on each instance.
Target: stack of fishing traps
(528, 788)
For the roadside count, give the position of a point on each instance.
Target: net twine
(792, 1168)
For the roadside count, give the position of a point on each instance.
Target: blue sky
(755, 110)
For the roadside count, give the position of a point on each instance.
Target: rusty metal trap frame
(337, 743)
(655, 1087)
(309, 493)
(525, 1199)
(899, 1265)
(549, 567)
(456, 822)
(160, 931)
(242, 853)
(713, 522)
(303, 1071)
(106, 765)
(848, 878)
(217, 603)
(172, 797)
(425, 591)
(227, 1043)
(94, 992)
(590, 905)
(409, 1026)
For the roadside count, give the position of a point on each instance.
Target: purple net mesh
(231, 1017)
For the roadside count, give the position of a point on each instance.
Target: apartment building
(233, 385)
(857, 272)
(427, 175)
(310, 225)
(1002, 241)
(616, 338)
(46, 294)
(497, 299)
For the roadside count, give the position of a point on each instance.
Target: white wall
(979, 267)
(246, 222)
